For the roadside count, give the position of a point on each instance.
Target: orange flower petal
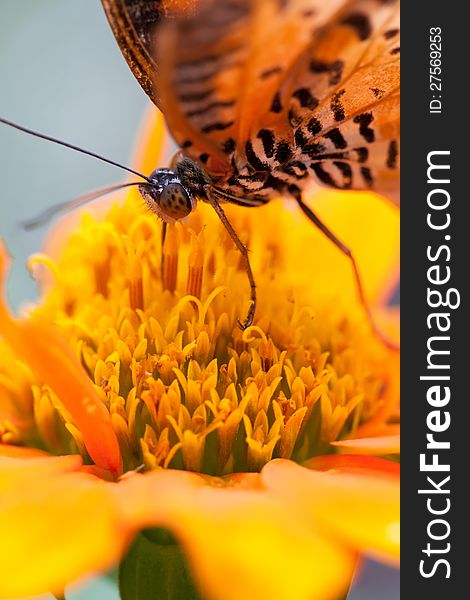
(352, 463)
(361, 509)
(47, 353)
(268, 552)
(57, 525)
(374, 429)
(378, 446)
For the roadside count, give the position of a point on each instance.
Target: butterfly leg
(347, 251)
(212, 200)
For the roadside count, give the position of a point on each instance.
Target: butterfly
(267, 98)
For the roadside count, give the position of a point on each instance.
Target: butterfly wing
(135, 24)
(343, 104)
(138, 26)
(251, 86)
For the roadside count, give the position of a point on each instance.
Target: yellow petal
(362, 509)
(369, 226)
(268, 552)
(378, 446)
(151, 143)
(18, 469)
(59, 525)
(56, 525)
(20, 451)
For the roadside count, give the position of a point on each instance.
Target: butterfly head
(167, 196)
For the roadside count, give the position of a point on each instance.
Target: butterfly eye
(174, 201)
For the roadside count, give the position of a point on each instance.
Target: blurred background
(62, 73)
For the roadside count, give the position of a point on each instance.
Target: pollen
(155, 328)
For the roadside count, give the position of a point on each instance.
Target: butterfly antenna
(52, 211)
(67, 145)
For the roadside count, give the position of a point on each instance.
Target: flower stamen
(195, 266)
(134, 274)
(170, 258)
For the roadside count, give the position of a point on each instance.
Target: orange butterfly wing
(275, 85)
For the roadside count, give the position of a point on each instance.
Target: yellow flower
(123, 369)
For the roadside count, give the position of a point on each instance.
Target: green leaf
(155, 568)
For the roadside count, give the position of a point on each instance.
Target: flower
(124, 367)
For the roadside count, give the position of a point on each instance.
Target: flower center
(185, 387)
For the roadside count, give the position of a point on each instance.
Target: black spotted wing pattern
(272, 96)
